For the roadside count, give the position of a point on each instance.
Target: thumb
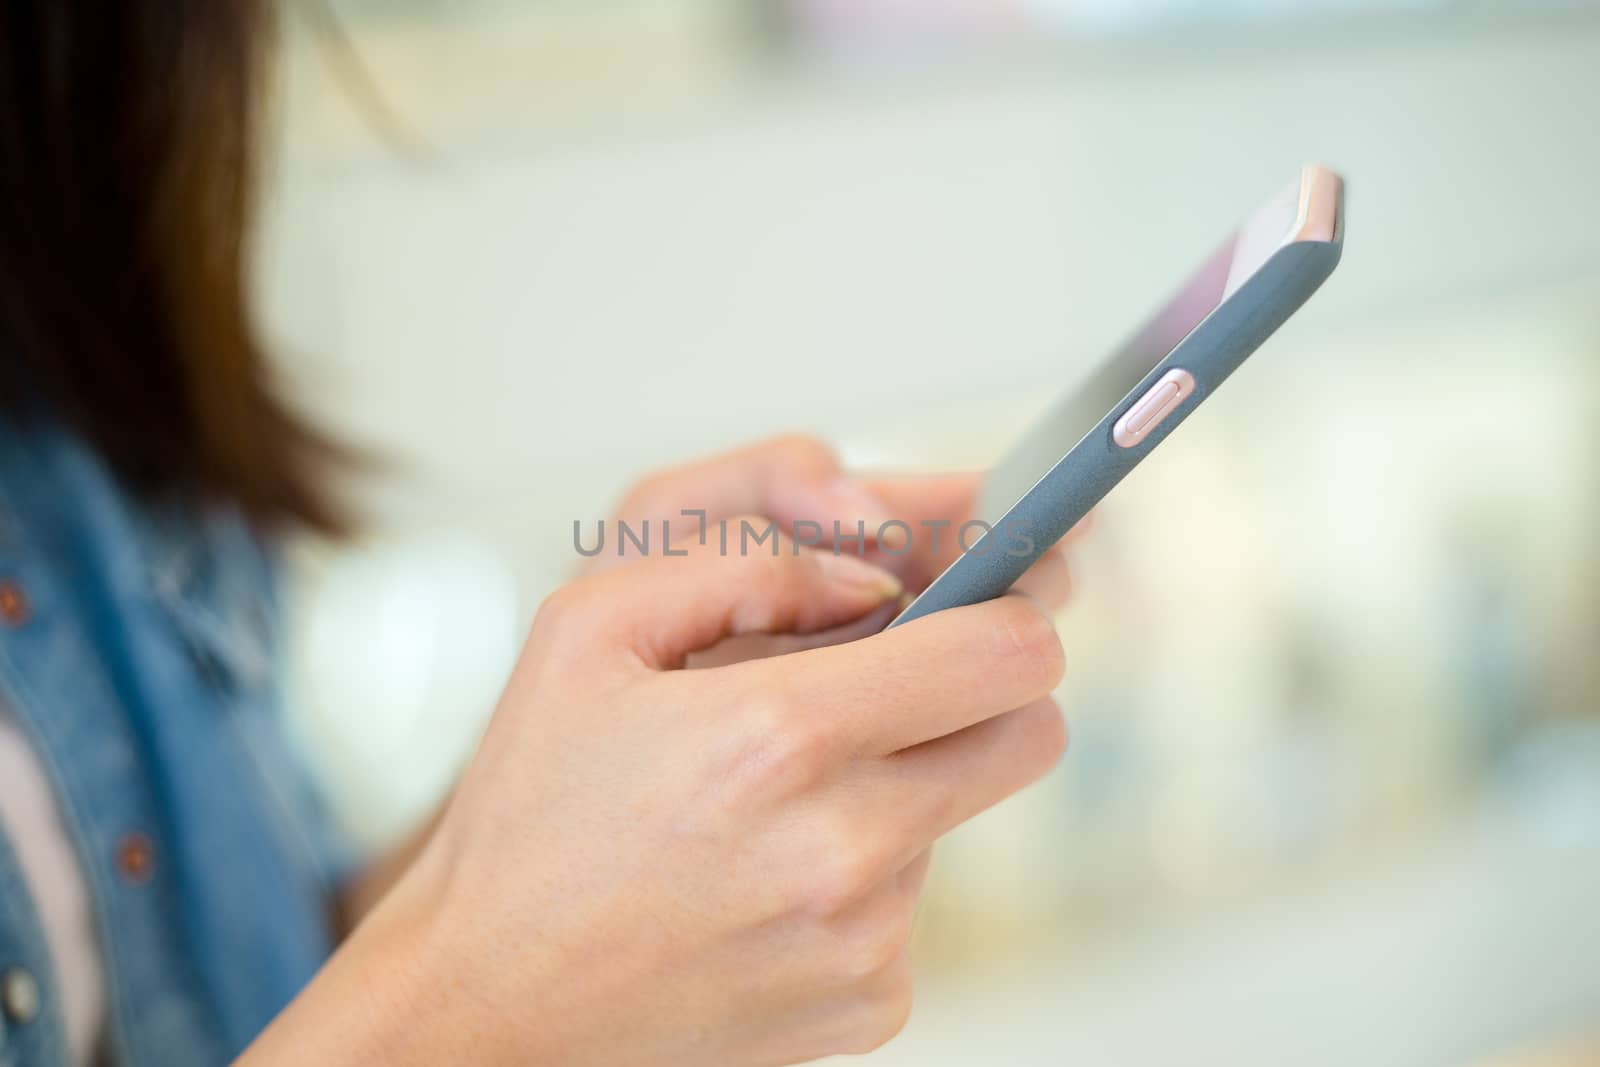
(661, 609)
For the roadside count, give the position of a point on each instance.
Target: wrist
(403, 990)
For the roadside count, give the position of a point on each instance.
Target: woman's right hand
(651, 865)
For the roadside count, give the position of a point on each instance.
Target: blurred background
(1334, 796)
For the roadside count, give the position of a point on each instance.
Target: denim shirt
(136, 652)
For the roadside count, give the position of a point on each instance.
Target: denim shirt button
(19, 996)
(135, 858)
(14, 607)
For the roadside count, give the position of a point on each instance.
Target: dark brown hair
(127, 158)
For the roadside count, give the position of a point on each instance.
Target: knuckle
(940, 806)
(796, 752)
(844, 869)
(876, 947)
(760, 546)
(784, 750)
(887, 1010)
(566, 607)
(1024, 633)
(755, 544)
(805, 453)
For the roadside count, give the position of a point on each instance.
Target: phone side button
(1150, 410)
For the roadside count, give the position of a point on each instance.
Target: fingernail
(853, 571)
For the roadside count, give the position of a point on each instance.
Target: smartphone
(1089, 441)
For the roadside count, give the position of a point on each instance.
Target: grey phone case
(1077, 482)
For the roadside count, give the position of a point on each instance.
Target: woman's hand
(646, 865)
(787, 480)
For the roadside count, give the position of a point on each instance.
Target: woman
(642, 865)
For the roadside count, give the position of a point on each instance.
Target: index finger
(917, 682)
